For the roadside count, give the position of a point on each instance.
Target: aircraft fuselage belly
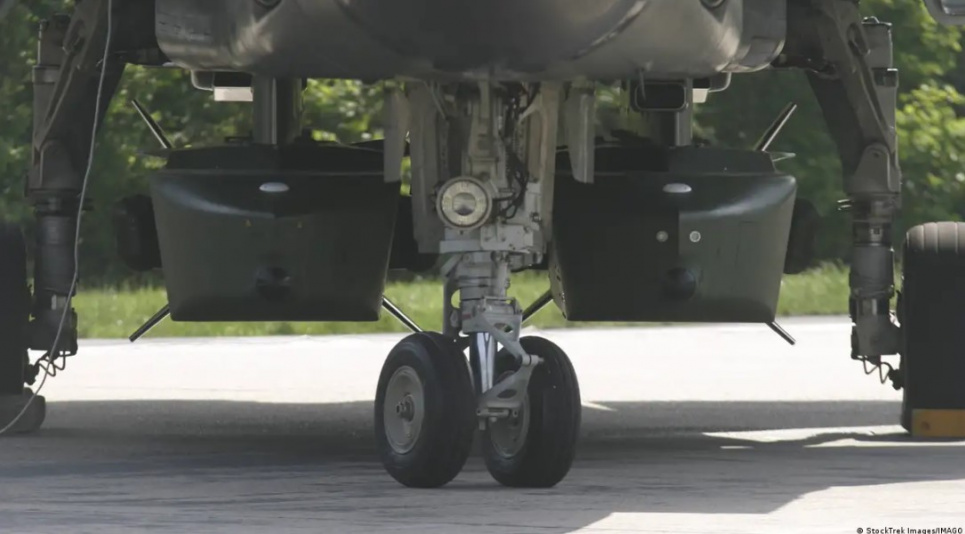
(467, 39)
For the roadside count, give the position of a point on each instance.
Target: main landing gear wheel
(14, 319)
(932, 312)
(425, 411)
(535, 447)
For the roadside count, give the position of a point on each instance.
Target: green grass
(820, 291)
(117, 313)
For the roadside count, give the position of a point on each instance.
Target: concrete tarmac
(710, 429)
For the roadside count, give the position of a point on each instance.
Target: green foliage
(343, 111)
(933, 153)
(16, 58)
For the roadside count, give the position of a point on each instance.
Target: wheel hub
(404, 409)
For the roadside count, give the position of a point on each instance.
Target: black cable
(514, 164)
(878, 367)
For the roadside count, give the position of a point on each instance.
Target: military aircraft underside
(494, 104)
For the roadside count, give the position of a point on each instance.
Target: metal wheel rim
(404, 409)
(508, 435)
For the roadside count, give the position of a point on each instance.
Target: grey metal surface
(631, 247)
(240, 230)
(949, 12)
(404, 409)
(485, 345)
(685, 429)
(372, 39)
(277, 110)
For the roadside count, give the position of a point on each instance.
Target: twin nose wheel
(425, 415)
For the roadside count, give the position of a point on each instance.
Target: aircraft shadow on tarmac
(653, 457)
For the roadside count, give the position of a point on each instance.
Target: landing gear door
(947, 12)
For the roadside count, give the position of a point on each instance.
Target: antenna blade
(151, 323)
(775, 129)
(152, 125)
(779, 330)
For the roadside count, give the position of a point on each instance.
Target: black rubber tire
(445, 441)
(932, 314)
(14, 310)
(31, 417)
(554, 420)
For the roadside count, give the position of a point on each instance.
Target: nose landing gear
(488, 214)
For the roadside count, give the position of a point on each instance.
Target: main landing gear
(856, 84)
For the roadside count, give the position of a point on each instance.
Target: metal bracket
(507, 396)
(397, 120)
(579, 110)
(510, 342)
(875, 175)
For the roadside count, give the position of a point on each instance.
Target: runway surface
(686, 429)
